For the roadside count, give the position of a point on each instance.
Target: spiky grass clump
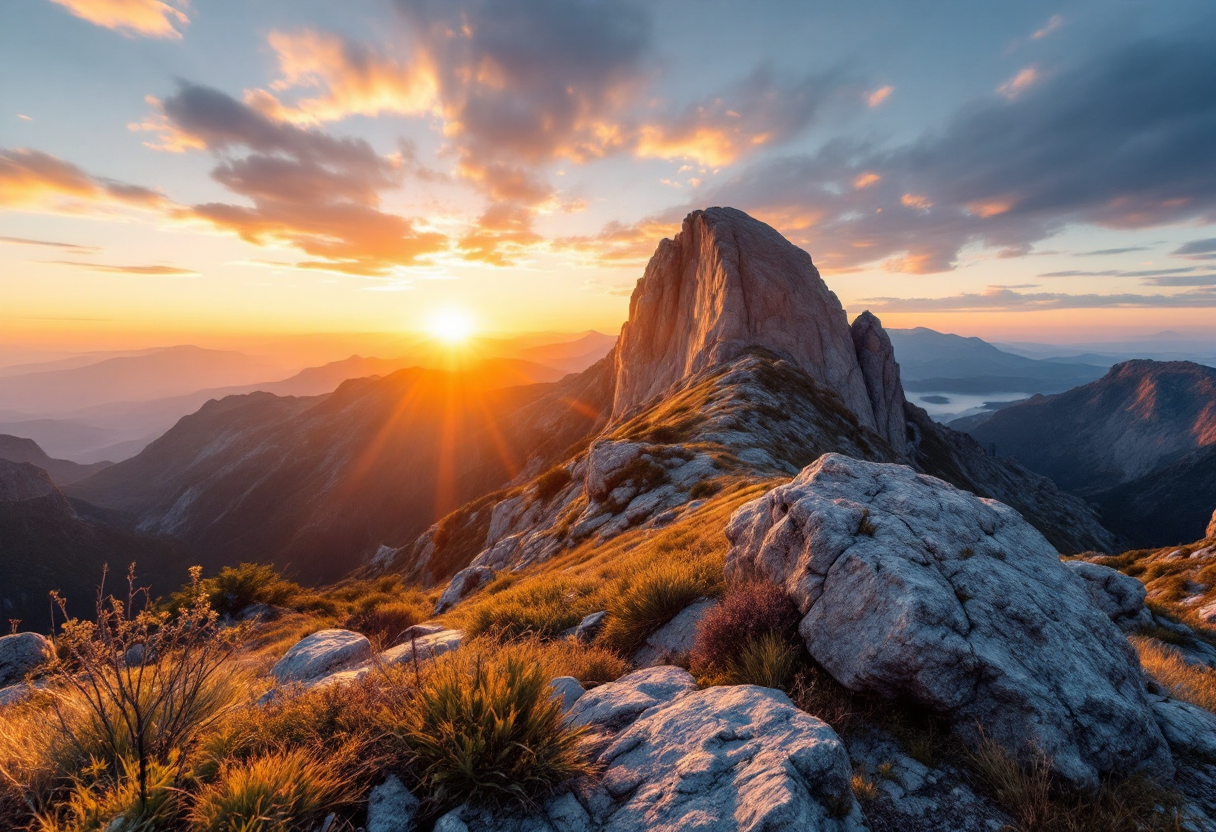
(591, 664)
(485, 728)
(94, 806)
(545, 606)
(386, 623)
(274, 792)
(655, 597)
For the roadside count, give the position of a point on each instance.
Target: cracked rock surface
(912, 589)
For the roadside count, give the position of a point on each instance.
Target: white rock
(913, 589)
(451, 822)
(727, 282)
(20, 653)
(391, 807)
(616, 704)
(729, 758)
(568, 689)
(881, 373)
(590, 626)
(463, 584)
(1188, 728)
(320, 654)
(676, 638)
(1120, 596)
(427, 647)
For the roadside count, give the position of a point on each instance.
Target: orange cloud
(920, 203)
(710, 146)
(1016, 85)
(1054, 22)
(35, 181)
(919, 263)
(620, 243)
(991, 208)
(865, 180)
(879, 95)
(150, 18)
(351, 79)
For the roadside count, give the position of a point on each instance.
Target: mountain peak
(726, 283)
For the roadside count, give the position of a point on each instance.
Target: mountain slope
(61, 471)
(1140, 415)
(318, 484)
(1169, 505)
(745, 410)
(48, 545)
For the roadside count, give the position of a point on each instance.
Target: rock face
(321, 653)
(1211, 531)
(912, 589)
(463, 584)
(391, 807)
(1120, 596)
(877, 359)
(20, 481)
(19, 654)
(675, 638)
(727, 282)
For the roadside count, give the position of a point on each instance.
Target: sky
(207, 170)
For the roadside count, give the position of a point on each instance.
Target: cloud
(999, 298)
(760, 110)
(1018, 84)
(621, 243)
(162, 271)
(1053, 23)
(1106, 251)
(879, 95)
(150, 18)
(308, 189)
(1196, 247)
(1121, 139)
(23, 241)
(31, 180)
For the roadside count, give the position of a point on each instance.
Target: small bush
(484, 728)
(286, 790)
(236, 587)
(550, 483)
(657, 595)
(385, 624)
(748, 612)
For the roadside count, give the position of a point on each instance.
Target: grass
(1038, 803)
(483, 727)
(1187, 682)
(655, 597)
(279, 790)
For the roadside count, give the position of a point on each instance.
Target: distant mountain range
(61, 471)
(1138, 442)
(111, 407)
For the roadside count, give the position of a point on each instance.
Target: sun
(452, 325)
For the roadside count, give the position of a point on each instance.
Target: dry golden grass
(642, 577)
(1187, 682)
(1028, 792)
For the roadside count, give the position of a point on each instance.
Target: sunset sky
(174, 171)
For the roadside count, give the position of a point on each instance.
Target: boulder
(19, 654)
(424, 647)
(568, 689)
(914, 590)
(1120, 596)
(391, 807)
(676, 637)
(591, 626)
(876, 357)
(725, 758)
(463, 584)
(725, 283)
(320, 654)
(1211, 530)
(12, 694)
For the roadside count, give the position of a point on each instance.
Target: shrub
(386, 623)
(749, 610)
(550, 483)
(88, 807)
(236, 587)
(546, 605)
(657, 595)
(148, 711)
(484, 728)
(284, 790)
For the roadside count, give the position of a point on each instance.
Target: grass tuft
(281, 790)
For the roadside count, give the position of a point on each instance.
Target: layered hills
(1138, 442)
(61, 471)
